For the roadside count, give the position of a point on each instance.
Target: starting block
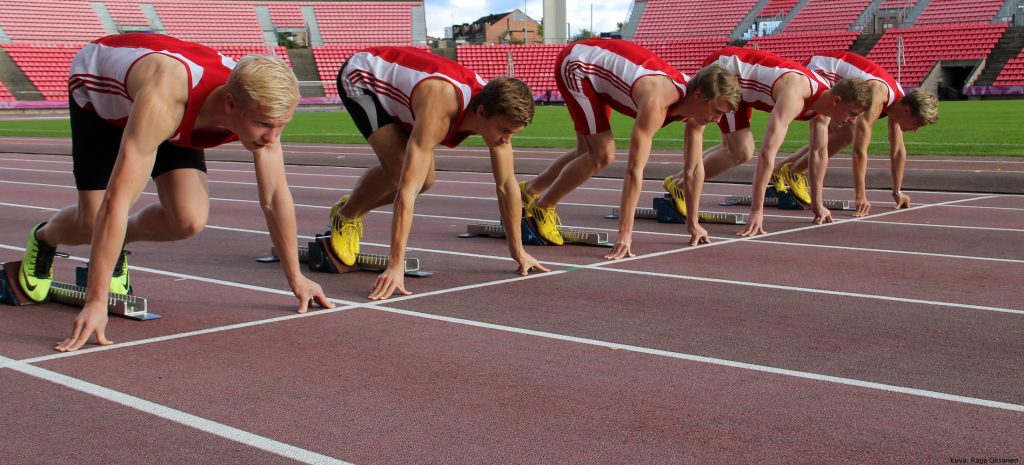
(664, 211)
(531, 237)
(786, 201)
(318, 257)
(128, 306)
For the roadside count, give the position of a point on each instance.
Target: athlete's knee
(188, 225)
(600, 158)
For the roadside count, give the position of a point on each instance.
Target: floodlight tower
(554, 22)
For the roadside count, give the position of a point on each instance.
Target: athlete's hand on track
(754, 226)
(622, 249)
(92, 318)
(698, 235)
(863, 207)
(309, 292)
(903, 201)
(527, 263)
(822, 215)
(390, 280)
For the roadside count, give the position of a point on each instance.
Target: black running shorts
(95, 144)
(363, 106)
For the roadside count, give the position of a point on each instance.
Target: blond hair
(265, 81)
(506, 96)
(923, 104)
(715, 82)
(853, 90)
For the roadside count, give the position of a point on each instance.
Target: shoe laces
(549, 214)
(673, 188)
(799, 178)
(352, 229)
(122, 263)
(43, 259)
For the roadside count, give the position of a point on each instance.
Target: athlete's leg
(737, 149)
(600, 152)
(548, 176)
(379, 184)
(182, 212)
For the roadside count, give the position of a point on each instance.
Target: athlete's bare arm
(509, 202)
(862, 128)
(279, 211)
(693, 178)
(652, 95)
(897, 161)
(435, 104)
(158, 86)
(818, 157)
(791, 91)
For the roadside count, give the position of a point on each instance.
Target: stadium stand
(33, 21)
(778, 8)
(686, 55)
(127, 13)
(799, 46)
(285, 14)
(533, 63)
(959, 11)
(346, 23)
(1013, 72)
(329, 59)
(924, 45)
(897, 4)
(211, 23)
(677, 19)
(46, 66)
(827, 15)
(5, 95)
(239, 51)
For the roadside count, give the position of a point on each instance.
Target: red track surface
(898, 338)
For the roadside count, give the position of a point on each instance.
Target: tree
(584, 34)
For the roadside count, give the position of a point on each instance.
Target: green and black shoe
(36, 272)
(119, 282)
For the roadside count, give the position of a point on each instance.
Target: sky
(443, 13)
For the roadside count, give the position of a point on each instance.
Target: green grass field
(973, 128)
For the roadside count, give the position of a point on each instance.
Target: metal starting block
(318, 256)
(664, 211)
(531, 237)
(786, 201)
(128, 306)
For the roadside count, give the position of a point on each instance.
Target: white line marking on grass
(186, 419)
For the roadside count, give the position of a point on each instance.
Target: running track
(896, 338)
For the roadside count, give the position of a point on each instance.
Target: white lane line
(650, 233)
(720, 362)
(945, 226)
(604, 265)
(186, 419)
(491, 182)
(985, 207)
(780, 287)
(777, 233)
(899, 252)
